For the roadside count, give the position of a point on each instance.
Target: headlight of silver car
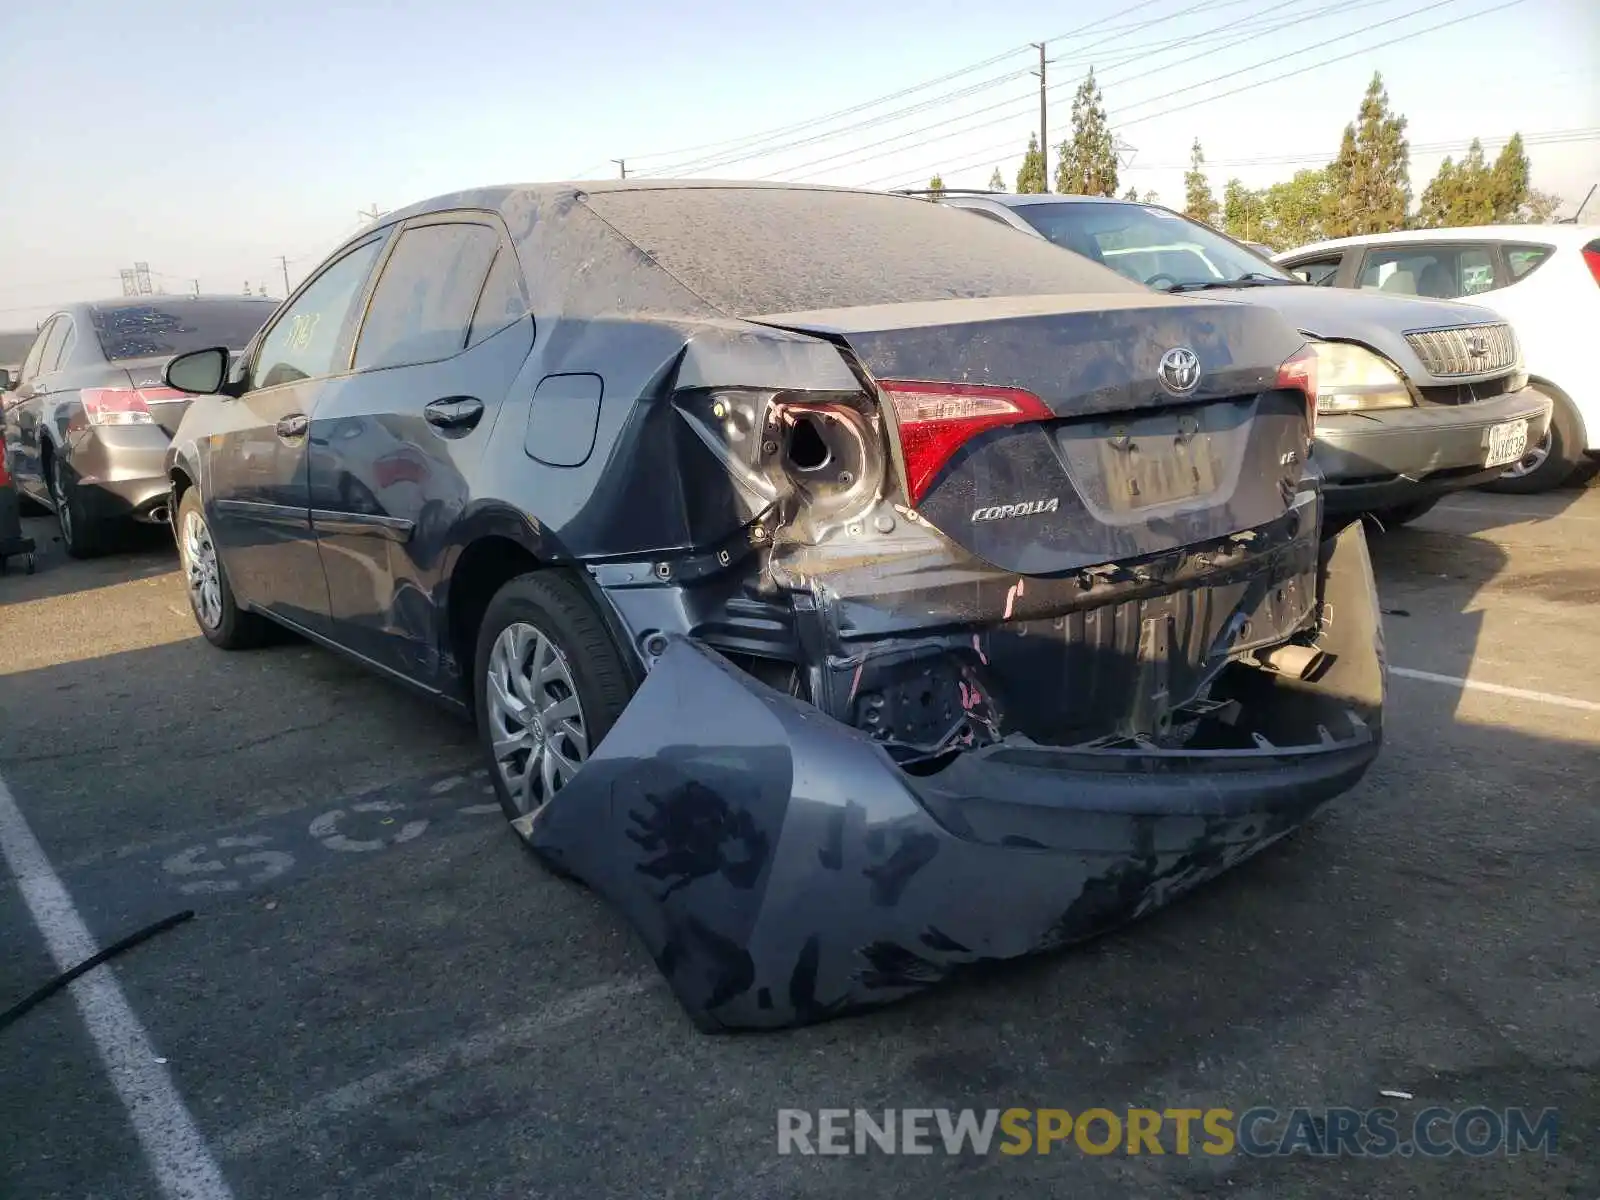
(1352, 378)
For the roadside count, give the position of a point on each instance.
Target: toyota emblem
(1179, 371)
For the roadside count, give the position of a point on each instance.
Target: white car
(1545, 280)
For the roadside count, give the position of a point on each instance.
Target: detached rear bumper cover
(782, 869)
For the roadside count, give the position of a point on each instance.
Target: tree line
(1365, 189)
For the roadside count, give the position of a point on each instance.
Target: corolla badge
(1179, 370)
(1029, 508)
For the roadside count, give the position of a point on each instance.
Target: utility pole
(196, 283)
(622, 165)
(1044, 132)
(284, 263)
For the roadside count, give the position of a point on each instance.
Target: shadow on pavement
(144, 551)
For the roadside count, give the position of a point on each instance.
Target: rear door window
(1438, 272)
(425, 298)
(1521, 260)
(52, 345)
(504, 298)
(306, 340)
(68, 341)
(30, 365)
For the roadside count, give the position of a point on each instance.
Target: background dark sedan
(88, 422)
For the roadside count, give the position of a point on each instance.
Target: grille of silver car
(1466, 350)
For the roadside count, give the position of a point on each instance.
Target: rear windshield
(161, 329)
(750, 251)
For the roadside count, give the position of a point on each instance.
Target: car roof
(1015, 200)
(500, 196)
(1561, 235)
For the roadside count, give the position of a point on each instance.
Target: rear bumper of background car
(1401, 456)
(782, 868)
(121, 471)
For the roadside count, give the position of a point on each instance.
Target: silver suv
(1415, 398)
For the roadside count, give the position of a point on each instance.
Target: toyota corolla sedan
(88, 422)
(1417, 398)
(841, 588)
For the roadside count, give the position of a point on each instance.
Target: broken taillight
(1299, 371)
(124, 406)
(937, 419)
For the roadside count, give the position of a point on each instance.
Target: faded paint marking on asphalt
(178, 1155)
(1498, 689)
(472, 1051)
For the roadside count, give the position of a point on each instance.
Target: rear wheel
(224, 623)
(1552, 461)
(81, 534)
(1402, 514)
(549, 683)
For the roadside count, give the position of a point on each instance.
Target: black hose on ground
(16, 1011)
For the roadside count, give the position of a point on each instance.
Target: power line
(767, 150)
(946, 132)
(761, 146)
(781, 131)
(988, 156)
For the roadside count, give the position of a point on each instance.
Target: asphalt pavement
(383, 995)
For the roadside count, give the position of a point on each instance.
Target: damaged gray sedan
(845, 590)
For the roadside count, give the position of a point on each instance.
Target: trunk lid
(147, 375)
(1109, 461)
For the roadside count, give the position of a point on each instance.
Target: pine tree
(1198, 202)
(1131, 194)
(1030, 176)
(1087, 163)
(1508, 180)
(997, 181)
(936, 185)
(1371, 176)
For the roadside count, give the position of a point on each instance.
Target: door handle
(293, 426)
(456, 413)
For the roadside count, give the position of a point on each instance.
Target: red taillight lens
(1299, 371)
(124, 406)
(1591, 258)
(937, 419)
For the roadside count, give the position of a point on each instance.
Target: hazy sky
(209, 138)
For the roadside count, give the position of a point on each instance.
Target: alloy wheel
(536, 720)
(200, 568)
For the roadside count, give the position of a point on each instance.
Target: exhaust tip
(159, 514)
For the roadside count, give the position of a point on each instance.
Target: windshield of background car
(749, 251)
(158, 330)
(1147, 244)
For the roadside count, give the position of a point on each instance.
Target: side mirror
(201, 372)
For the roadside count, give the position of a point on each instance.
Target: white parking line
(1499, 510)
(178, 1155)
(1498, 689)
(475, 1050)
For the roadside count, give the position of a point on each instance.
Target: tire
(586, 664)
(1562, 450)
(226, 626)
(1404, 514)
(81, 534)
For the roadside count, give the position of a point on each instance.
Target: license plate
(1507, 443)
(1146, 471)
